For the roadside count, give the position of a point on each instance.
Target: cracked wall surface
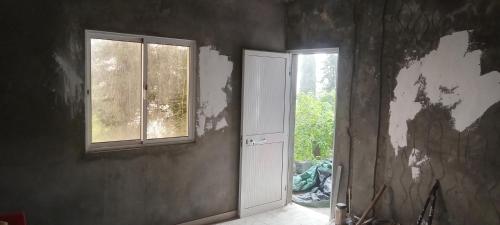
(424, 84)
(43, 168)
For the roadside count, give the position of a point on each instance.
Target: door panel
(265, 91)
(264, 183)
(264, 140)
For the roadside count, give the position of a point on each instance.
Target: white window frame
(143, 141)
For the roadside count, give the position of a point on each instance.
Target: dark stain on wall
(43, 168)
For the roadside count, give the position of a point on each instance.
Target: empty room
(250, 112)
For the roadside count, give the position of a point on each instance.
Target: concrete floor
(324, 211)
(291, 214)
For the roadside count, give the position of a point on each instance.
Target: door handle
(252, 142)
(260, 142)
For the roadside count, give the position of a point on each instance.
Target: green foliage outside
(315, 125)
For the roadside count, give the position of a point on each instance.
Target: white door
(264, 131)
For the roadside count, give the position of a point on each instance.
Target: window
(139, 90)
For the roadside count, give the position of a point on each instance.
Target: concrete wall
(441, 110)
(424, 101)
(43, 168)
(417, 101)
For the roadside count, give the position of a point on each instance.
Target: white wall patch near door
(451, 76)
(215, 74)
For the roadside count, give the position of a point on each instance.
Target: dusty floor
(324, 211)
(291, 214)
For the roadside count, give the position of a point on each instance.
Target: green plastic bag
(309, 179)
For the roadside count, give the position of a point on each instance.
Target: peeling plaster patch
(404, 107)
(73, 84)
(221, 124)
(452, 78)
(215, 72)
(415, 162)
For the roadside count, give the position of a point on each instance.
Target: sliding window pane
(116, 71)
(167, 94)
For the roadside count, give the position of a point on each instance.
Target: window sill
(134, 145)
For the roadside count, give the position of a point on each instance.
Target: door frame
(293, 97)
(286, 141)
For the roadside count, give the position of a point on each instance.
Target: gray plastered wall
(45, 172)
(43, 168)
(392, 40)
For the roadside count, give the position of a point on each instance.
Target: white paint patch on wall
(451, 66)
(453, 78)
(415, 162)
(404, 106)
(72, 84)
(215, 72)
(221, 124)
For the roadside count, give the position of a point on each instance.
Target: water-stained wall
(43, 168)
(428, 71)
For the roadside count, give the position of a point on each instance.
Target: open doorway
(269, 115)
(313, 127)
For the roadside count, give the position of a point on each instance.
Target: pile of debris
(313, 187)
(344, 216)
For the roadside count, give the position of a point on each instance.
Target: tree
(329, 70)
(167, 91)
(308, 71)
(117, 90)
(315, 125)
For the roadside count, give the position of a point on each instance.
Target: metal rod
(374, 201)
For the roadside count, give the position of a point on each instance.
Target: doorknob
(250, 142)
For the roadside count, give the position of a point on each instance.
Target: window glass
(167, 93)
(116, 86)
